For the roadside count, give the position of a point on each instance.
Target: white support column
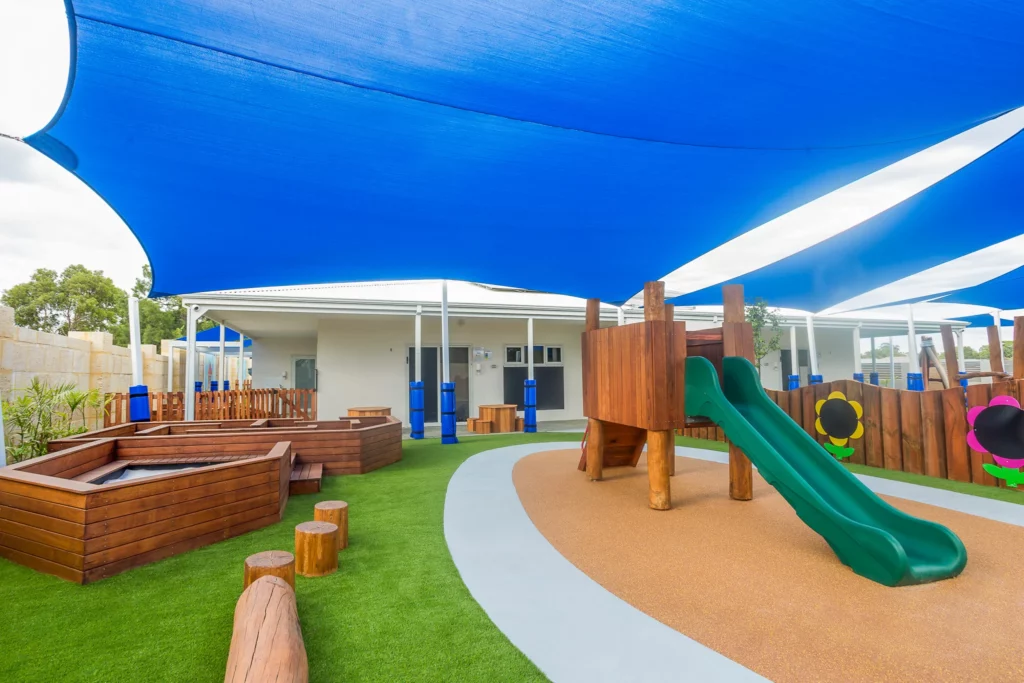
(622, 316)
(135, 340)
(874, 358)
(444, 332)
(857, 365)
(190, 364)
(812, 349)
(529, 348)
(170, 368)
(892, 363)
(794, 352)
(241, 361)
(913, 364)
(222, 368)
(960, 351)
(418, 356)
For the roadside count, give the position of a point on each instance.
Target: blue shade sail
(213, 335)
(973, 208)
(982, 320)
(572, 147)
(1005, 293)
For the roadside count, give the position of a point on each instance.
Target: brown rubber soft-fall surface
(750, 580)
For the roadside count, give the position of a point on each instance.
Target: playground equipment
(638, 383)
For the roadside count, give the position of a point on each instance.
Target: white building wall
(361, 360)
(272, 360)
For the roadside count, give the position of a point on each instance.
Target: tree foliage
(76, 299)
(163, 318)
(764, 320)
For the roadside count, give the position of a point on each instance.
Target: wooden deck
(306, 478)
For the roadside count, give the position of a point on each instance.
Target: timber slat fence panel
(908, 431)
(220, 405)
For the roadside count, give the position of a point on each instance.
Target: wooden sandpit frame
(52, 519)
(345, 446)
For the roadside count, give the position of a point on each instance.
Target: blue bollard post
(138, 403)
(915, 381)
(213, 385)
(530, 406)
(874, 378)
(963, 380)
(199, 387)
(815, 379)
(793, 382)
(416, 410)
(858, 377)
(448, 413)
(227, 385)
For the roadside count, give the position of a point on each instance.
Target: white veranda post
(190, 363)
(960, 351)
(892, 363)
(857, 366)
(222, 369)
(135, 340)
(912, 360)
(622, 316)
(418, 356)
(241, 361)
(812, 350)
(529, 348)
(445, 376)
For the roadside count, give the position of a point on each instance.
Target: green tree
(763, 319)
(76, 299)
(163, 318)
(881, 351)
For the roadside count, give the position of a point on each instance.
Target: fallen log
(266, 644)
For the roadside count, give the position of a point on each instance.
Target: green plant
(762, 318)
(44, 412)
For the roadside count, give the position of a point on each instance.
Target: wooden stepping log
(270, 563)
(266, 643)
(335, 512)
(316, 548)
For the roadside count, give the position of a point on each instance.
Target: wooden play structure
(496, 419)
(634, 379)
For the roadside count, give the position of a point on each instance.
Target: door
(458, 365)
(431, 387)
(304, 373)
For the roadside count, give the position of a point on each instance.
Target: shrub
(44, 412)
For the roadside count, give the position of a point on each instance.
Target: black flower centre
(838, 418)
(1000, 429)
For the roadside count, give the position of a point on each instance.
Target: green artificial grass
(395, 611)
(707, 445)
(1005, 495)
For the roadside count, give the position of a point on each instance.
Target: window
(542, 355)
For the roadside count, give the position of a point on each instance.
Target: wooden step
(306, 478)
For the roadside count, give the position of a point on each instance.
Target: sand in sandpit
(751, 581)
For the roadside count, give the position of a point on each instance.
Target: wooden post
(660, 443)
(593, 315)
(949, 348)
(316, 548)
(595, 449)
(995, 358)
(670, 314)
(741, 478)
(335, 512)
(270, 563)
(1018, 347)
(266, 642)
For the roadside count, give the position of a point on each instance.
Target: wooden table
(501, 416)
(370, 411)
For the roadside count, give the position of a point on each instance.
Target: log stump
(266, 643)
(270, 563)
(316, 548)
(335, 512)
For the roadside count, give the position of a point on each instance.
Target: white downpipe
(892, 363)
(912, 341)
(418, 357)
(960, 351)
(190, 365)
(221, 362)
(241, 361)
(135, 340)
(444, 333)
(529, 348)
(812, 349)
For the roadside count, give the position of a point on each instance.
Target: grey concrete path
(569, 626)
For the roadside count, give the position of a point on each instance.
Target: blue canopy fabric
(572, 147)
(213, 335)
(1005, 293)
(981, 320)
(978, 206)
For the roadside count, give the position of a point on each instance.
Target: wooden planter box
(56, 515)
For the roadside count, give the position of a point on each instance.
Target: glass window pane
(513, 354)
(554, 354)
(538, 355)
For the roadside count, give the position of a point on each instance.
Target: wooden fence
(220, 405)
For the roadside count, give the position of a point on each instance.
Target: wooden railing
(220, 405)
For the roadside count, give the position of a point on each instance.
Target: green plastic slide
(873, 538)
